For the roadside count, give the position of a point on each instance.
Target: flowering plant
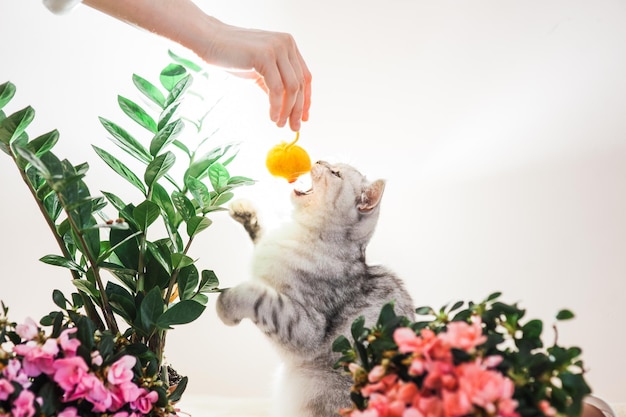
(78, 371)
(132, 265)
(465, 360)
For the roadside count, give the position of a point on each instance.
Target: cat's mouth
(303, 186)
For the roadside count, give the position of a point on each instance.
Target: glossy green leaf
(43, 143)
(126, 141)
(137, 114)
(199, 168)
(59, 299)
(162, 254)
(239, 181)
(120, 168)
(145, 214)
(35, 162)
(188, 279)
(178, 90)
(199, 191)
(201, 298)
(14, 125)
(209, 281)
(150, 310)
(183, 312)
(341, 344)
(197, 224)
(222, 198)
(171, 74)
(167, 114)
(88, 288)
(177, 394)
(149, 90)
(166, 136)
(159, 167)
(180, 260)
(564, 315)
(7, 92)
(219, 176)
(183, 205)
(163, 200)
(107, 253)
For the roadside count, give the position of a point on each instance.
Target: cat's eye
(335, 173)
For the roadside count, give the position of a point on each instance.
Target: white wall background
(499, 125)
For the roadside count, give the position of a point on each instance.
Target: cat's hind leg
(245, 213)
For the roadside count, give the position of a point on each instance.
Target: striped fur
(311, 281)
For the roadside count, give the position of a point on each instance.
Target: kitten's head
(341, 199)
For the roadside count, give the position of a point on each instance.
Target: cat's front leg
(237, 303)
(245, 213)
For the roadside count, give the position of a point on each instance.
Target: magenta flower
(461, 335)
(68, 345)
(69, 412)
(38, 358)
(24, 405)
(69, 372)
(27, 330)
(13, 372)
(123, 393)
(90, 388)
(6, 389)
(145, 402)
(122, 370)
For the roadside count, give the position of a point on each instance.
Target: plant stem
(106, 307)
(91, 312)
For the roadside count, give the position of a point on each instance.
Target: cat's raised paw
(243, 211)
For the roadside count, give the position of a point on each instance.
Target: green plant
(143, 246)
(463, 359)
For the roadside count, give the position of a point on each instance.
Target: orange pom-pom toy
(288, 160)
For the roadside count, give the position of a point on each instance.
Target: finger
(293, 85)
(274, 84)
(307, 88)
(295, 118)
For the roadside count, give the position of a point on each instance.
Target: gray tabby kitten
(311, 282)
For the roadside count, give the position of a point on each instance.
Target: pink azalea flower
(145, 401)
(38, 358)
(376, 374)
(69, 412)
(96, 358)
(365, 413)
(69, 372)
(412, 412)
(24, 406)
(6, 389)
(546, 408)
(487, 389)
(406, 339)
(93, 390)
(13, 372)
(429, 406)
(461, 335)
(69, 345)
(123, 394)
(122, 370)
(27, 330)
(456, 403)
(380, 403)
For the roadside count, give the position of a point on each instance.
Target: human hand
(272, 60)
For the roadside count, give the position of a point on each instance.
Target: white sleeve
(60, 6)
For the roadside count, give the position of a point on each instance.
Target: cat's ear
(371, 196)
